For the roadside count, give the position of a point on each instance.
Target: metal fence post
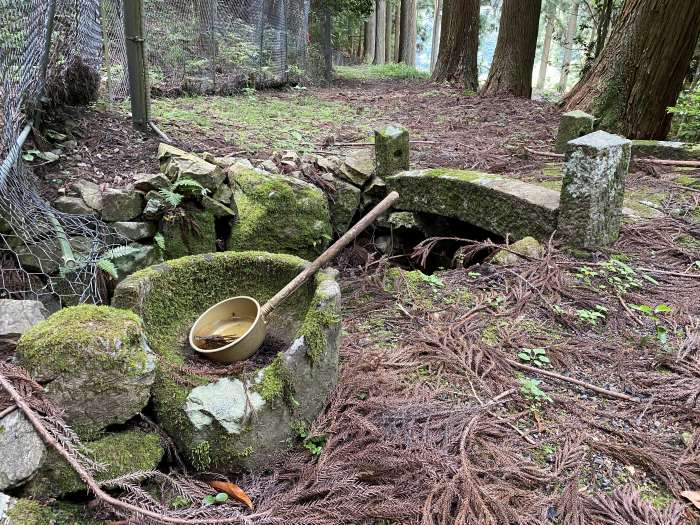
(136, 57)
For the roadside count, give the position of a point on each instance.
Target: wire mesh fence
(72, 52)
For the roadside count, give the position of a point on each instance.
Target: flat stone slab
(666, 149)
(497, 204)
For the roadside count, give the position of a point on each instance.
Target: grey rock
(155, 207)
(593, 190)
(74, 205)
(497, 204)
(391, 146)
(47, 256)
(178, 164)
(343, 203)
(328, 164)
(573, 125)
(135, 230)
(238, 167)
(358, 168)
(227, 402)
(22, 451)
(269, 166)
(527, 247)
(150, 182)
(216, 208)
(99, 377)
(224, 194)
(6, 503)
(16, 317)
(122, 205)
(137, 257)
(90, 193)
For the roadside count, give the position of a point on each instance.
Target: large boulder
(94, 363)
(121, 453)
(343, 202)
(16, 317)
(279, 214)
(242, 420)
(178, 164)
(22, 451)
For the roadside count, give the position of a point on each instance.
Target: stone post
(392, 150)
(593, 190)
(573, 125)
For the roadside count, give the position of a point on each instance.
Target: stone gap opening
(401, 232)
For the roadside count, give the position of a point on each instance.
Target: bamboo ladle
(242, 347)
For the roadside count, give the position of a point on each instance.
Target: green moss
(279, 215)
(68, 339)
(321, 315)
(30, 512)
(369, 71)
(276, 384)
(121, 453)
(656, 494)
(191, 234)
(200, 456)
(687, 180)
(465, 175)
(553, 169)
(490, 335)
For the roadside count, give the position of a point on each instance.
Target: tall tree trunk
(569, 46)
(437, 30)
(407, 42)
(387, 33)
(603, 26)
(327, 45)
(459, 44)
(513, 61)
(397, 30)
(370, 36)
(379, 49)
(641, 70)
(547, 45)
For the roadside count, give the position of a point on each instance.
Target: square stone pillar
(391, 149)
(590, 210)
(573, 125)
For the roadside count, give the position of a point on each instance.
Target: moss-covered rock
(178, 164)
(391, 150)
(279, 214)
(30, 512)
(252, 425)
(343, 203)
(120, 453)
(94, 362)
(527, 247)
(573, 125)
(188, 232)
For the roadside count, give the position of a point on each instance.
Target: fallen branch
(8, 411)
(545, 153)
(93, 485)
(663, 162)
(367, 144)
(560, 377)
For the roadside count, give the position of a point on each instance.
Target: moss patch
(190, 234)
(464, 175)
(121, 453)
(385, 71)
(276, 384)
(30, 512)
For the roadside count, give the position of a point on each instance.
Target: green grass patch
(369, 72)
(258, 122)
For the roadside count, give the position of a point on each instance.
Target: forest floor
(432, 421)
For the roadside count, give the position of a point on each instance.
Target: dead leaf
(693, 496)
(232, 490)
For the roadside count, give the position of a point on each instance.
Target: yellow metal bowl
(212, 319)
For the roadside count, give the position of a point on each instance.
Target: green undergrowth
(257, 122)
(386, 71)
(31, 512)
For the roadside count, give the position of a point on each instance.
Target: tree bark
(513, 61)
(569, 46)
(437, 31)
(407, 42)
(547, 45)
(327, 45)
(387, 33)
(379, 49)
(397, 30)
(370, 36)
(641, 70)
(459, 44)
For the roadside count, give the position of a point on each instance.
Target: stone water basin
(239, 419)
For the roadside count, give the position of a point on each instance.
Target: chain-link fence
(57, 52)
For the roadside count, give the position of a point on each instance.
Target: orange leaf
(693, 496)
(232, 490)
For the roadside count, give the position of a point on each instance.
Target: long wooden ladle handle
(329, 254)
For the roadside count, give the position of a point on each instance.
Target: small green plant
(220, 498)
(313, 444)
(432, 280)
(497, 301)
(159, 239)
(686, 114)
(178, 190)
(534, 356)
(530, 388)
(654, 313)
(592, 316)
(616, 275)
(473, 275)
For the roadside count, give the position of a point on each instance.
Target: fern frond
(171, 198)
(185, 183)
(108, 266)
(119, 251)
(160, 241)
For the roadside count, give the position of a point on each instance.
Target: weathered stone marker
(593, 189)
(391, 149)
(573, 125)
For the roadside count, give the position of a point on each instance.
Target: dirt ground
(436, 417)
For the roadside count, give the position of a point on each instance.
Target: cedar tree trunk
(511, 69)
(547, 45)
(459, 44)
(437, 31)
(569, 46)
(641, 69)
(379, 49)
(407, 42)
(370, 36)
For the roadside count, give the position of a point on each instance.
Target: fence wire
(72, 52)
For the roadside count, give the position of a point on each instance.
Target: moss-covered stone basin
(244, 415)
